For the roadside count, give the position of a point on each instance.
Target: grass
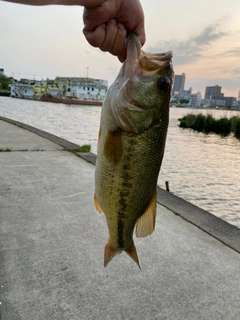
(207, 124)
(5, 149)
(84, 148)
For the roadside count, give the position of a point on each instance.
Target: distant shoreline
(64, 101)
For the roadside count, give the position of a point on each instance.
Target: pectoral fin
(99, 136)
(113, 146)
(146, 223)
(97, 205)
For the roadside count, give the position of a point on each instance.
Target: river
(202, 169)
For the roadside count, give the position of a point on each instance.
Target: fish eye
(163, 83)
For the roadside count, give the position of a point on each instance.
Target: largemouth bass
(131, 143)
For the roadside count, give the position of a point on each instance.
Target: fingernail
(121, 26)
(142, 40)
(113, 21)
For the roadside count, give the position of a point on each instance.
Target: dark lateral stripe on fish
(126, 177)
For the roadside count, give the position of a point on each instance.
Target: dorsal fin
(146, 222)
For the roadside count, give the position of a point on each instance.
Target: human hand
(106, 25)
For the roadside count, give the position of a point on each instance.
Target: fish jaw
(129, 95)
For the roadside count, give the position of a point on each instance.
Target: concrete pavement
(52, 243)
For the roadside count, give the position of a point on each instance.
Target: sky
(45, 42)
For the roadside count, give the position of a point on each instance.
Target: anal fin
(146, 222)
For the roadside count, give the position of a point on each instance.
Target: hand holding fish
(106, 22)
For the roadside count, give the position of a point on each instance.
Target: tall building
(230, 101)
(178, 84)
(213, 92)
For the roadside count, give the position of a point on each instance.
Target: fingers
(109, 37)
(95, 38)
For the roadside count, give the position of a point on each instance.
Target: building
(214, 103)
(213, 92)
(195, 100)
(178, 85)
(1, 71)
(229, 102)
(82, 88)
(236, 105)
(62, 88)
(185, 93)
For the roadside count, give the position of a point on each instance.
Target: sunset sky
(47, 41)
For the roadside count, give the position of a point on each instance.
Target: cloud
(193, 48)
(234, 52)
(208, 35)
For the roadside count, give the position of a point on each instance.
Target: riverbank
(52, 245)
(4, 93)
(71, 101)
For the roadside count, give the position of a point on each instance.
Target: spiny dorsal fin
(97, 205)
(146, 223)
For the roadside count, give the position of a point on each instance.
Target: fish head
(140, 96)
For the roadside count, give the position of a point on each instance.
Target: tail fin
(132, 252)
(111, 252)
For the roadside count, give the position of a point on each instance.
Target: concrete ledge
(214, 226)
(87, 156)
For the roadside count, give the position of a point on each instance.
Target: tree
(183, 101)
(5, 81)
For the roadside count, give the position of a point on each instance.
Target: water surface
(202, 169)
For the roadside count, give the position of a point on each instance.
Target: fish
(131, 141)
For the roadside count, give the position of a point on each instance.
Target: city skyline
(48, 42)
(210, 92)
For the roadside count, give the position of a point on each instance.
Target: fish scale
(132, 137)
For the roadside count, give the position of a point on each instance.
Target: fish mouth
(149, 62)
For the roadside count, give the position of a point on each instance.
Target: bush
(207, 124)
(223, 126)
(237, 128)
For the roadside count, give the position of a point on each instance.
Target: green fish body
(132, 137)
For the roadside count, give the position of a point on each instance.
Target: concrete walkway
(52, 243)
